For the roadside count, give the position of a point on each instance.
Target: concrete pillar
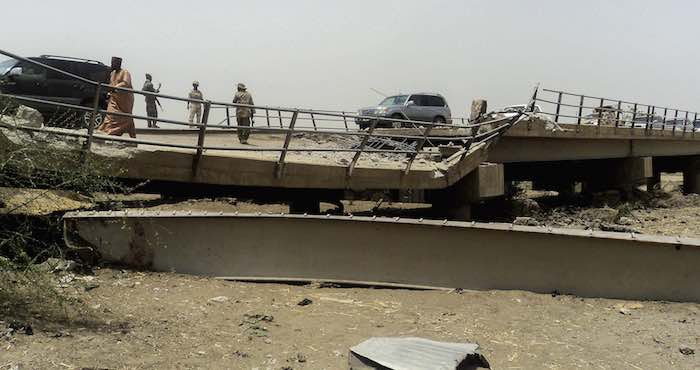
(654, 181)
(486, 182)
(691, 176)
(622, 174)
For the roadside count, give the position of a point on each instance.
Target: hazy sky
(328, 54)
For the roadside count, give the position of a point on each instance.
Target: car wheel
(87, 118)
(439, 119)
(397, 124)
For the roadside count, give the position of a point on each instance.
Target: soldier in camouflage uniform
(244, 115)
(151, 101)
(194, 107)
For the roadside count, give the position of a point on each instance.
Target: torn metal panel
(415, 354)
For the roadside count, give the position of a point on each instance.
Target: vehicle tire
(397, 124)
(363, 126)
(87, 116)
(439, 119)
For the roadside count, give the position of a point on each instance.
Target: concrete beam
(410, 252)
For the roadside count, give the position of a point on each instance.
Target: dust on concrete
(166, 320)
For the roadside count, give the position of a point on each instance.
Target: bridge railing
(577, 109)
(277, 120)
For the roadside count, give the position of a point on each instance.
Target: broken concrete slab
(415, 354)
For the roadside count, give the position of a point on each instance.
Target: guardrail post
(200, 138)
(694, 121)
(685, 122)
(663, 123)
(345, 121)
(648, 116)
(228, 116)
(93, 117)
(580, 109)
(634, 114)
(675, 121)
(279, 114)
(556, 116)
(617, 116)
(267, 117)
(313, 121)
(600, 112)
(365, 139)
(279, 167)
(419, 147)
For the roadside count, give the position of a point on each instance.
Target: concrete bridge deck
(521, 153)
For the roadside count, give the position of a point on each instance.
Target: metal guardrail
(570, 108)
(287, 119)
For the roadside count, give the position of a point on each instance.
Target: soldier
(151, 101)
(244, 115)
(195, 107)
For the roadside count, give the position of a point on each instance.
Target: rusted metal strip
(418, 253)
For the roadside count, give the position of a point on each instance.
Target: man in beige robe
(119, 101)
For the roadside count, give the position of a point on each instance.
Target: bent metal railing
(465, 135)
(570, 108)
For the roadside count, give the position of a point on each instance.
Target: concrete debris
(27, 116)
(219, 299)
(20, 327)
(610, 198)
(526, 221)
(415, 354)
(598, 215)
(305, 302)
(525, 207)
(58, 265)
(626, 309)
(618, 228)
(626, 221)
(686, 351)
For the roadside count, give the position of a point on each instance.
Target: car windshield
(394, 100)
(5, 65)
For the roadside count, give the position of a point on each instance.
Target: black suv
(30, 80)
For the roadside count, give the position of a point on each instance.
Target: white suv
(417, 107)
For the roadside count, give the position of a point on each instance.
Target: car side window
(436, 101)
(30, 69)
(420, 100)
(63, 66)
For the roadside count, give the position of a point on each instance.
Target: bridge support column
(655, 180)
(486, 182)
(691, 176)
(623, 174)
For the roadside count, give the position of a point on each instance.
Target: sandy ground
(133, 320)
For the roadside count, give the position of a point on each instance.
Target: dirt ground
(122, 319)
(135, 320)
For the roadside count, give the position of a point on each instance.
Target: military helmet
(195, 83)
(241, 86)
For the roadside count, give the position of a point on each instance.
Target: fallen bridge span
(395, 251)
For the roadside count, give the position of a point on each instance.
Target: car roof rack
(71, 58)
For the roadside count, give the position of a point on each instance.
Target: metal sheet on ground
(401, 251)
